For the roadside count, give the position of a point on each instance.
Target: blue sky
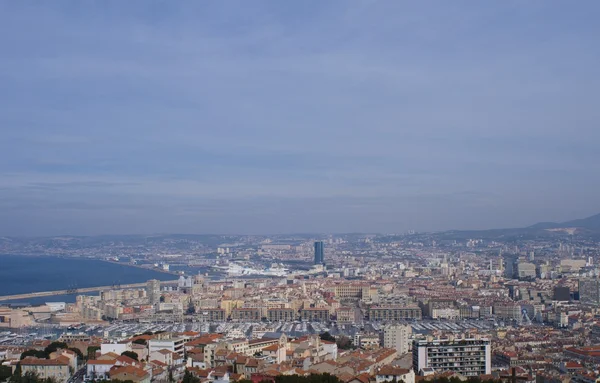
(296, 116)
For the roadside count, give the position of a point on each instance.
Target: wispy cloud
(372, 116)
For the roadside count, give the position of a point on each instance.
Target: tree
(313, 378)
(52, 347)
(191, 308)
(140, 341)
(327, 337)
(34, 353)
(91, 352)
(131, 354)
(29, 377)
(188, 377)
(344, 343)
(5, 373)
(16, 376)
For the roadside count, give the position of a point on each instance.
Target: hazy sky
(296, 116)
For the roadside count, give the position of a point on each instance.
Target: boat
(237, 270)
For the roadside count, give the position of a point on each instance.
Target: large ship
(237, 270)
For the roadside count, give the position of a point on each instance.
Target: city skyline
(296, 117)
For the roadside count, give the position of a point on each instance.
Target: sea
(26, 274)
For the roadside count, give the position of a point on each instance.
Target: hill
(589, 223)
(587, 227)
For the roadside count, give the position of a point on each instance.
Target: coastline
(23, 274)
(65, 256)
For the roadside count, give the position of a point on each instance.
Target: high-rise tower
(319, 253)
(153, 291)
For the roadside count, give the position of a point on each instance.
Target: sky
(258, 117)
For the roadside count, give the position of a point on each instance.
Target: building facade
(281, 315)
(153, 291)
(352, 290)
(469, 357)
(55, 369)
(394, 313)
(173, 344)
(315, 314)
(589, 291)
(397, 336)
(211, 315)
(246, 314)
(319, 253)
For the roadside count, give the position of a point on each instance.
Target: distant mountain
(544, 225)
(589, 223)
(588, 227)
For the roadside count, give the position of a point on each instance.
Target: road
(79, 375)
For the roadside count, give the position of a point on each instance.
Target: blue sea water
(26, 274)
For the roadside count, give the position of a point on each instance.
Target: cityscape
(299, 191)
(510, 304)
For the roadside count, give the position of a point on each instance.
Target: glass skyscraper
(319, 253)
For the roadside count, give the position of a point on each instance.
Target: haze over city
(305, 116)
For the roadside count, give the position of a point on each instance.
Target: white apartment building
(397, 336)
(469, 357)
(172, 344)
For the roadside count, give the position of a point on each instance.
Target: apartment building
(56, 369)
(246, 314)
(398, 337)
(352, 290)
(469, 357)
(175, 344)
(315, 314)
(394, 313)
(345, 315)
(282, 315)
(507, 310)
(211, 315)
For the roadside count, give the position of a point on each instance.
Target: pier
(77, 291)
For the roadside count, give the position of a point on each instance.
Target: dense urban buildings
(408, 307)
(589, 291)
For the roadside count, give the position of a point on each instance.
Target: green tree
(16, 377)
(5, 373)
(140, 341)
(188, 377)
(131, 354)
(91, 352)
(55, 346)
(327, 337)
(29, 377)
(34, 353)
(191, 308)
(313, 378)
(344, 343)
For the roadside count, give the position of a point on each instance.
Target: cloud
(451, 113)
